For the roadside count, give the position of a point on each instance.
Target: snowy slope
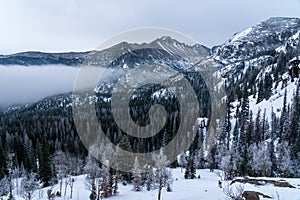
(204, 188)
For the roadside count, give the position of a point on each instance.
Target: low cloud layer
(19, 84)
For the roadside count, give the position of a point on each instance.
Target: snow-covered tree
(3, 164)
(182, 162)
(17, 173)
(45, 169)
(285, 163)
(137, 178)
(233, 192)
(162, 175)
(4, 186)
(93, 172)
(226, 165)
(103, 182)
(28, 185)
(190, 170)
(261, 162)
(60, 162)
(149, 180)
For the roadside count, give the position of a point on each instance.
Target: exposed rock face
(252, 195)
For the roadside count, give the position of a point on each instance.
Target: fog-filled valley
(29, 84)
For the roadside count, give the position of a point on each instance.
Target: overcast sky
(78, 25)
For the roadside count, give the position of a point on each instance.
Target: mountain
(261, 42)
(260, 135)
(40, 58)
(258, 40)
(192, 53)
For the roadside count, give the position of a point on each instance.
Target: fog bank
(29, 84)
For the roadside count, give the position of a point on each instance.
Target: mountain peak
(263, 37)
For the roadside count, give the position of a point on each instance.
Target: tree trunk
(65, 189)
(159, 189)
(60, 186)
(159, 194)
(71, 191)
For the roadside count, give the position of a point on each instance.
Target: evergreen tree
(137, 178)
(273, 160)
(3, 164)
(283, 118)
(284, 163)
(257, 133)
(149, 180)
(45, 169)
(294, 128)
(244, 133)
(4, 186)
(125, 145)
(261, 94)
(268, 85)
(190, 172)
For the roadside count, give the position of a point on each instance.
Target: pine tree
(3, 164)
(261, 94)
(45, 170)
(4, 186)
(271, 151)
(137, 178)
(244, 133)
(190, 172)
(225, 133)
(284, 163)
(125, 145)
(283, 118)
(268, 85)
(149, 180)
(105, 186)
(257, 133)
(294, 127)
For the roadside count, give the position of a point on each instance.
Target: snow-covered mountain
(192, 53)
(258, 40)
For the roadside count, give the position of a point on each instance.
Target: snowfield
(183, 189)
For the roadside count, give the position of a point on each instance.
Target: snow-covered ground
(204, 188)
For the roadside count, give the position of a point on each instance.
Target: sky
(80, 25)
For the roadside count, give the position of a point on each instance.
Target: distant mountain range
(172, 46)
(260, 47)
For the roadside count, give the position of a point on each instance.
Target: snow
(242, 34)
(275, 101)
(204, 188)
(125, 66)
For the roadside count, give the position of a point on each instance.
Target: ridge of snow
(241, 34)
